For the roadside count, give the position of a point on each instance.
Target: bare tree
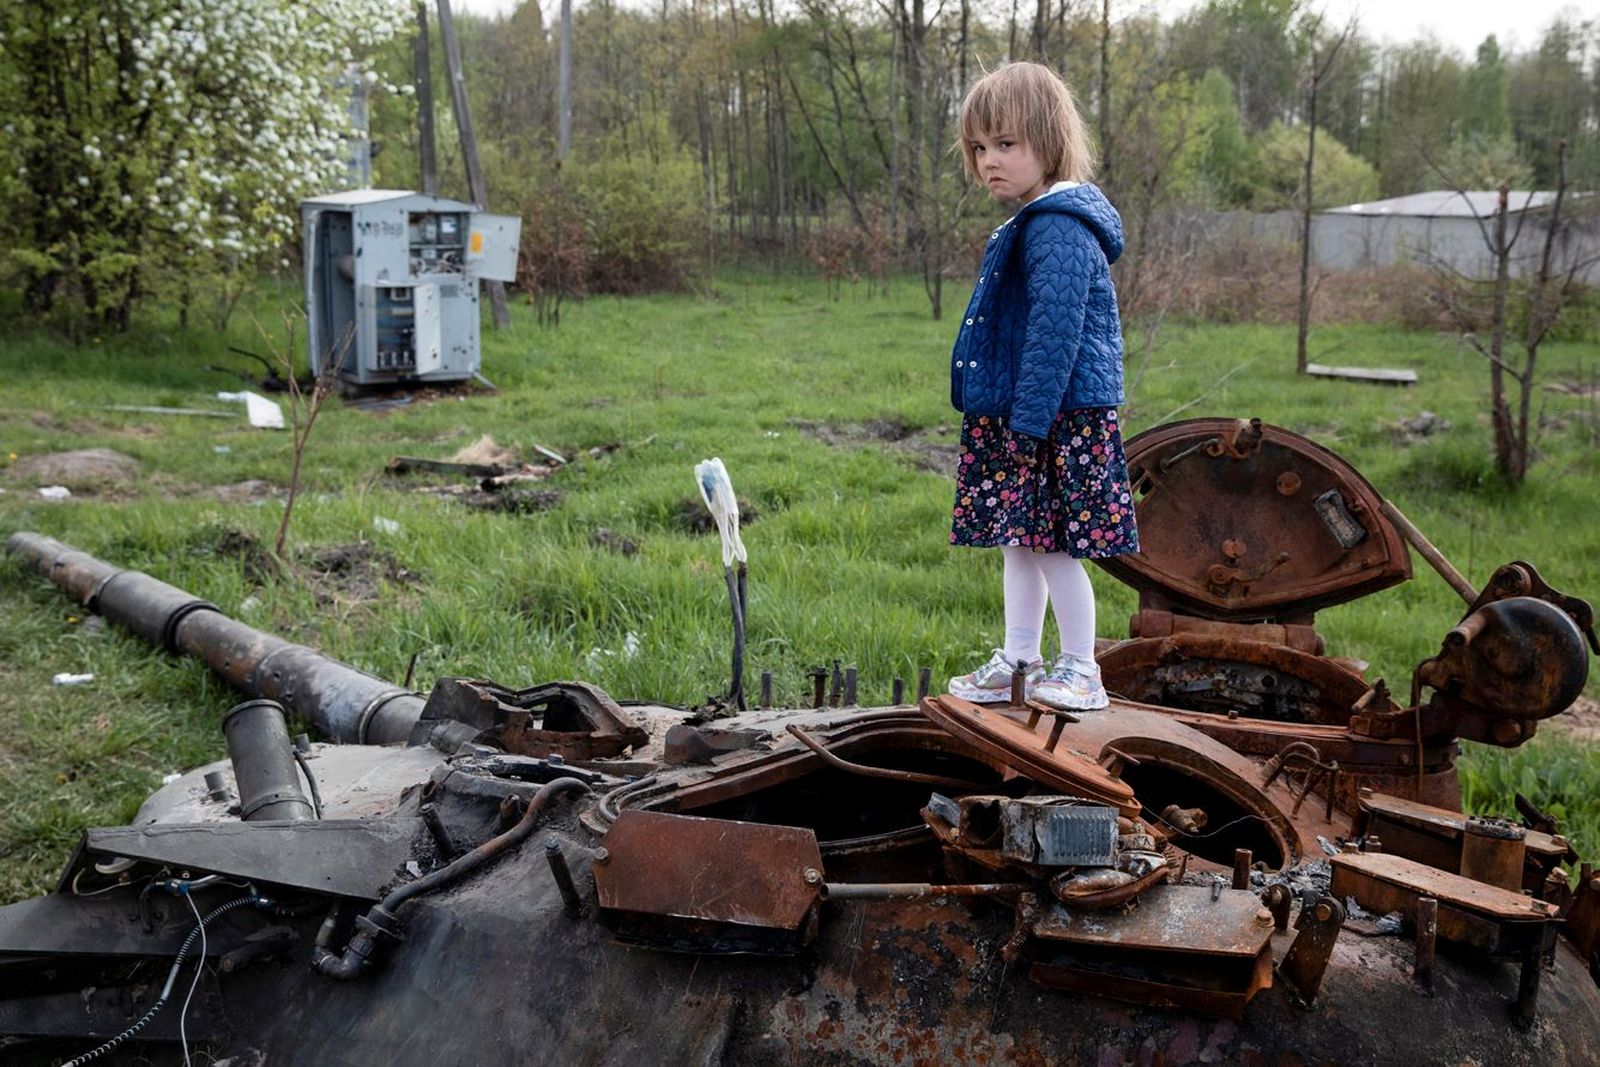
(1548, 294)
(1319, 70)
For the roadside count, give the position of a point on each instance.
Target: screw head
(813, 876)
(602, 856)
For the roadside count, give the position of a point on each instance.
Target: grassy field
(833, 419)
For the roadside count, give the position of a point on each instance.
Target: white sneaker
(991, 683)
(1072, 685)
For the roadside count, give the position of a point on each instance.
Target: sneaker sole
(974, 695)
(1072, 703)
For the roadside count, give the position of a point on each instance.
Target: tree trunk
(1305, 228)
(422, 75)
(469, 143)
(1499, 410)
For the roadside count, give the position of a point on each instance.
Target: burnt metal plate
(345, 857)
(718, 870)
(1447, 824)
(1242, 522)
(1483, 899)
(1172, 918)
(990, 730)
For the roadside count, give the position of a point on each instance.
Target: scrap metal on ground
(485, 874)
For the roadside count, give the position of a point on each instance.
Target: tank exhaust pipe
(343, 703)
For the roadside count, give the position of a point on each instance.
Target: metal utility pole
(469, 143)
(422, 75)
(565, 124)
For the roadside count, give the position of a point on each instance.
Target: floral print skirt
(1076, 499)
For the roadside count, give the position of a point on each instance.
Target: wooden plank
(1378, 375)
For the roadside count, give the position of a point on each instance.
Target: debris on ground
(242, 492)
(1420, 426)
(71, 679)
(89, 468)
(54, 492)
(263, 414)
(694, 517)
(934, 448)
(486, 452)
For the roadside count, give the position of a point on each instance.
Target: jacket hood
(1089, 205)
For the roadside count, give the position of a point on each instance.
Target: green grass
(849, 558)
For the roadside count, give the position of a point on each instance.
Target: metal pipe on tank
(263, 763)
(340, 701)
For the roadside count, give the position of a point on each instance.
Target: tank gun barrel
(342, 702)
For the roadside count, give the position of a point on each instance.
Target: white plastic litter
(221, 450)
(383, 525)
(717, 491)
(168, 779)
(597, 656)
(263, 414)
(71, 679)
(54, 492)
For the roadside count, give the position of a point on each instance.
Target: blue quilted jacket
(1041, 332)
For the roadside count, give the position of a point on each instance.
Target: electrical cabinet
(392, 283)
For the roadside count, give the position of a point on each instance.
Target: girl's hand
(1027, 450)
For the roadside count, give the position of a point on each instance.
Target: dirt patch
(1581, 722)
(613, 541)
(220, 541)
(512, 500)
(694, 517)
(355, 571)
(90, 468)
(242, 492)
(930, 449)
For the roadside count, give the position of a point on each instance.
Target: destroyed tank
(1255, 855)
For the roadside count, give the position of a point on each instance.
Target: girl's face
(1007, 167)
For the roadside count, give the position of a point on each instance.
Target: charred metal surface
(347, 857)
(109, 924)
(1239, 519)
(714, 873)
(1180, 946)
(1225, 673)
(1014, 743)
(1507, 664)
(1434, 836)
(98, 1013)
(1307, 959)
(339, 700)
(571, 719)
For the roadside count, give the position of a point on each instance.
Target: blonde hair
(1031, 103)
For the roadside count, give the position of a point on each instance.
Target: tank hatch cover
(1240, 520)
(1029, 751)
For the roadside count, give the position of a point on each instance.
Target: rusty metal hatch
(708, 885)
(1243, 521)
(1016, 744)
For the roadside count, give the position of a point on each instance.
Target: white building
(1448, 227)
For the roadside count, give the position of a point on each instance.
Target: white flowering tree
(148, 144)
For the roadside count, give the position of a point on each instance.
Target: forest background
(815, 132)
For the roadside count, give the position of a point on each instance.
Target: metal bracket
(1308, 956)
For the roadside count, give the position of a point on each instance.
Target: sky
(1459, 24)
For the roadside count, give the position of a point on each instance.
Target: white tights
(1031, 578)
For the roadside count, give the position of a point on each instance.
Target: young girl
(1037, 373)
